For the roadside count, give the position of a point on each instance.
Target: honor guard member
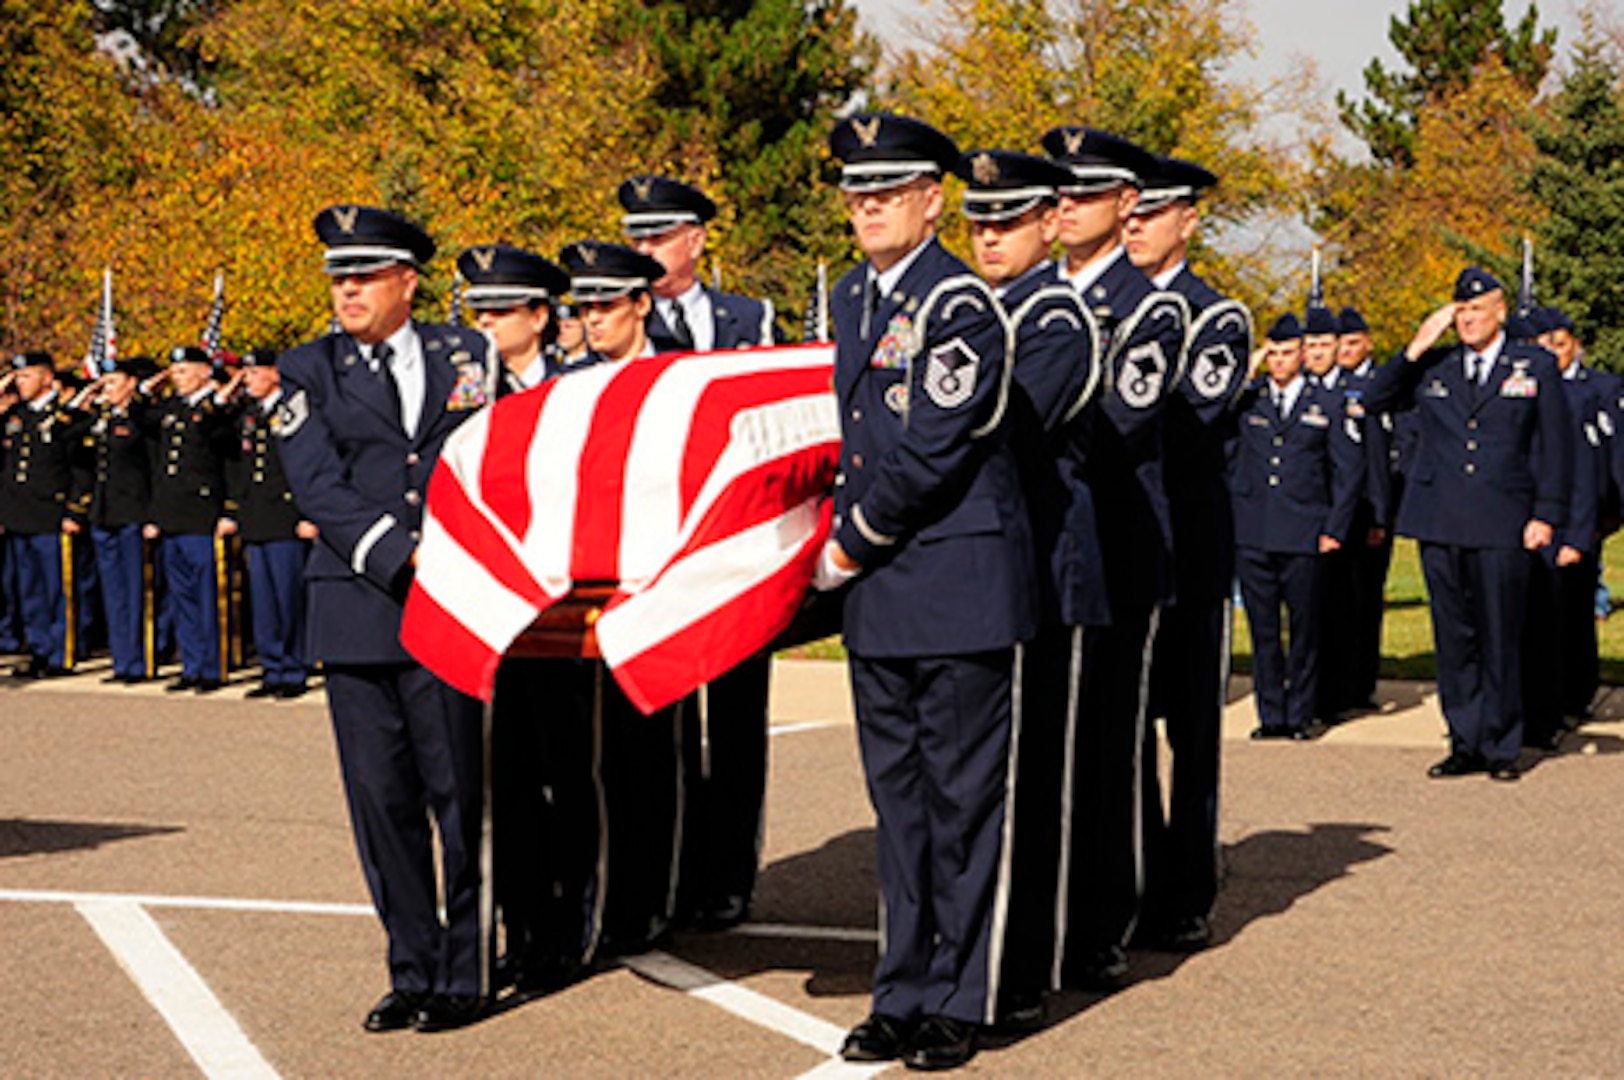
(1010, 202)
(724, 738)
(274, 533)
(120, 493)
(931, 533)
(1560, 663)
(1190, 670)
(13, 637)
(545, 781)
(514, 294)
(1296, 486)
(1340, 568)
(641, 757)
(1143, 331)
(1481, 502)
(364, 414)
(1374, 551)
(37, 447)
(189, 429)
(571, 335)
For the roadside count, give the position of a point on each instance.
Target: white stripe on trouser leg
(1000, 896)
(487, 886)
(601, 885)
(1068, 768)
(210, 1035)
(1138, 767)
(675, 870)
(1225, 663)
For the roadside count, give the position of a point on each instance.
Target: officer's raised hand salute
(364, 415)
(931, 515)
(1479, 500)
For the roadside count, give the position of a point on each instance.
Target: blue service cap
(1554, 318)
(603, 271)
(32, 359)
(1319, 322)
(657, 204)
(1474, 281)
(1171, 180)
(1003, 184)
(1098, 160)
(1351, 322)
(363, 239)
(501, 277)
(1286, 328)
(882, 150)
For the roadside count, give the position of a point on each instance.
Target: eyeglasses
(885, 198)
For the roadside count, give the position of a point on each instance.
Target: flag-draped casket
(695, 484)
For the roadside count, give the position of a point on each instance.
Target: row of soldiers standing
(123, 502)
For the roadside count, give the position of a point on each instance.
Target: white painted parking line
(836, 1069)
(807, 933)
(795, 729)
(213, 903)
(174, 988)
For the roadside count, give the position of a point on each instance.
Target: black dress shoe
(1313, 730)
(1103, 971)
(538, 977)
(184, 682)
(1504, 770)
(263, 690)
(879, 1038)
(394, 1011)
(289, 691)
(447, 1012)
(34, 669)
(132, 680)
(1022, 1013)
(208, 686)
(723, 913)
(941, 1042)
(112, 678)
(1271, 731)
(1456, 765)
(1185, 934)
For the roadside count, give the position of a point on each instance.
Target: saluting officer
(1480, 501)
(120, 494)
(365, 413)
(275, 534)
(1010, 201)
(1190, 670)
(1143, 330)
(641, 759)
(932, 534)
(724, 730)
(546, 785)
(38, 444)
(1296, 485)
(190, 428)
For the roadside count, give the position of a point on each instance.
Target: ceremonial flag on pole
(455, 316)
(1316, 284)
(1525, 291)
(217, 313)
(103, 352)
(697, 484)
(815, 326)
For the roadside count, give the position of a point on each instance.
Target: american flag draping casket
(698, 483)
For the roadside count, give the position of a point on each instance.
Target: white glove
(828, 576)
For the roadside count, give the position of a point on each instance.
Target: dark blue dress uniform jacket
(930, 503)
(740, 322)
(263, 503)
(1143, 331)
(118, 476)
(37, 448)
(1487, 459)
(357, 475)
(1056, 356)
(1294, 477)
(188, 476)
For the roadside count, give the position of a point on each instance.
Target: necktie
(1279, 401)
(382, 355)
(679, 326)
(871, 305)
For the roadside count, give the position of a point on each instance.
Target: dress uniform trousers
(1286, 680)
(119, 557)
(935, 734)
(194, 599)
(642, 785)
(547, 793)
(1342, 590)
(1479, 602)
(1374, 561)
(433, 737)
(44, 598)
(724, 778)
(13, 638)
(276, 584)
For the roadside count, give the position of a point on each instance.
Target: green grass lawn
(1406, 629)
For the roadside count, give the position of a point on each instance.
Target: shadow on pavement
(19, 836)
